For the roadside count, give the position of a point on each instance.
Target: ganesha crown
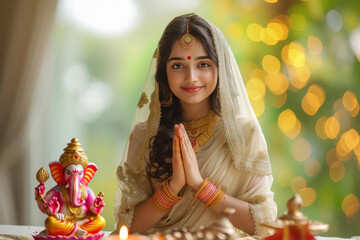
(73, 154)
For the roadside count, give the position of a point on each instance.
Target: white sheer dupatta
(244, 136)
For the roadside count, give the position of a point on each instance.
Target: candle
(123, 233)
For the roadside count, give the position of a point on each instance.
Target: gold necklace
(200, 131)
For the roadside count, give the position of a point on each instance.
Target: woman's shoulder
(247, 125)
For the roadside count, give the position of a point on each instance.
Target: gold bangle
(209, 194)
(164, 199)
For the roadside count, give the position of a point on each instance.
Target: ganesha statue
(72, 207)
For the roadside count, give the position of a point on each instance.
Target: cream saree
(215, 162)
(235, 158)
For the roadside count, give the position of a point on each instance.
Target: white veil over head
(244, 136)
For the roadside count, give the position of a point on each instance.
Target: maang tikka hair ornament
(187, 41)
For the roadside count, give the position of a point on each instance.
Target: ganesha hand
(39, 190)
(53, 206)
(98, 205)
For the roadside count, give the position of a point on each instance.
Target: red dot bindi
(189, 57)
(76, 156)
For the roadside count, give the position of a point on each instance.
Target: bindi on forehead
(188, 57)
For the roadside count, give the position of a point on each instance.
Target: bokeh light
(332, 127)
(297, 184)
(337, 173)
(350, 139)
(235, 30)
(258, 107)
(279, 25)
(350, 205)
(301, 149)
(308, 196)
(350, 101)
(315, 45)
(320, 128)
(296, 131)
(357, 154)
(299, 77)
(334, 20)
(253, 31)
(312, 167)
(313, 99)
(342, 152)
(296, 54)
(271, 1)
(277, 83)
(289, 124)
(271, 64)
(332, 159)
(256, 89)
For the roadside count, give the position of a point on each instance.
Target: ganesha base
(44, 236)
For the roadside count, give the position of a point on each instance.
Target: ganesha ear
(89, 173)
(57, 172)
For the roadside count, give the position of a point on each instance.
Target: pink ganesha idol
(72, 208)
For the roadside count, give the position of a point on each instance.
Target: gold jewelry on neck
(200, 131)
(74, 213)
(187, 41)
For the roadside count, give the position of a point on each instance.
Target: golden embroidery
(256, 199)
(200, 131)
(143, 100)
(261, 155)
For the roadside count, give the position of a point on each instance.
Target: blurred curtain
(25, 27)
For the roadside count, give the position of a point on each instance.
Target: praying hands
(184, 162)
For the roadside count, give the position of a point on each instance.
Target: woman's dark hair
(159, 166)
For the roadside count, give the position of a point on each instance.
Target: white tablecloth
(26, 231)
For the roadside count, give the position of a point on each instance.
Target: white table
(24, 232)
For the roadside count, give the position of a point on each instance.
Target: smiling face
(192, 75)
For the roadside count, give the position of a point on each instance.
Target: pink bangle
(164, 199)
(209, 194)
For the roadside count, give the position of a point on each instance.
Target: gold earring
(169, 102)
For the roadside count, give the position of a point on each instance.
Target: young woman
(196, 146)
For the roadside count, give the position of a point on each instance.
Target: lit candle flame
(123, 233)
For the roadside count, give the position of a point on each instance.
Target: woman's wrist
(164, 198)
(175, 187)
(196, 185)
(209, 194)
